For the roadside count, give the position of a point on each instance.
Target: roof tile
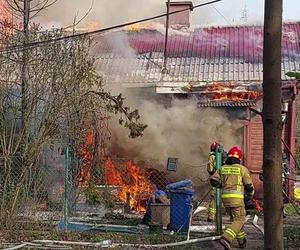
(204, 55)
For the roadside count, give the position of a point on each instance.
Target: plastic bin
(179, 184)
(181, 209)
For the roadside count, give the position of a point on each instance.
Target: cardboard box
(160, 214)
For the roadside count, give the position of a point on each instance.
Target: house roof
(216, 104)
(208, 55)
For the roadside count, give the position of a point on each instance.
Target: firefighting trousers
(235, 229)
(211, 206)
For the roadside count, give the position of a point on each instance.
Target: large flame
(227, 92)
(236, 96)
(134, 187)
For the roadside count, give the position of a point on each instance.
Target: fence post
(219, 159)
(66, 185)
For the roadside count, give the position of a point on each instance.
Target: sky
(111, 12)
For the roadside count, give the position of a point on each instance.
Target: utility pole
(272, 152)
(25, 68)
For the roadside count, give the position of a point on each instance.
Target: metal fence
(107, 194)
(109, 189)
(30, 195)
(95, 194)
(59, 192)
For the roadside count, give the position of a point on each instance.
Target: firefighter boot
(211, 214)
(242, 243)
(225, 243)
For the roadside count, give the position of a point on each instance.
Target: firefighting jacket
(234, 180)
(211, 165)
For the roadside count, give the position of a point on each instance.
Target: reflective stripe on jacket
(233, 178)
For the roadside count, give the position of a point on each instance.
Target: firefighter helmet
(214, 146)
(235, 152)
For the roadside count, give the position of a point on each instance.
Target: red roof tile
(205, 55)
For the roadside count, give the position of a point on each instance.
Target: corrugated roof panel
(226, 103)
(207, 54)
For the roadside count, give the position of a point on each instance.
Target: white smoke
(104, 12)
(107, 12)
(178, 129)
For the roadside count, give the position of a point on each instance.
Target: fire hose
(52, 244)
(254, 223)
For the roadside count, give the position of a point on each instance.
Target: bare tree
(64, 100)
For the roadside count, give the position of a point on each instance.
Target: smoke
(176, 128)
(104, 12)
(107, 12)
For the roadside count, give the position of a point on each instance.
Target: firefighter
(211, 169)
(235, 181)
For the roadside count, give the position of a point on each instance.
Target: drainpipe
(219, 157)
(292, 141)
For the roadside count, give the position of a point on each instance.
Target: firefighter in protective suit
(211, 169)
(235, 181)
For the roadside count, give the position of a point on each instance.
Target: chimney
(181, 19)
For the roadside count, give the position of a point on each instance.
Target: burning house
(219, 66)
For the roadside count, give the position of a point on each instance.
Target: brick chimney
(181, 19)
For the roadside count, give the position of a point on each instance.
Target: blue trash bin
(179, 184)
(181, 209)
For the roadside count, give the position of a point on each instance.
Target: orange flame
(258, 205)
(112, 175)
(135, 27)
(134, 186)
(225, 92)
(236, 96)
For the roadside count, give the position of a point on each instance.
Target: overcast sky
(110, 12)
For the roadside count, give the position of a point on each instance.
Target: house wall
(254, 151)
(253, 146)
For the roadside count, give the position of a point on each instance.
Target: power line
(220, 13)
(74, 36)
